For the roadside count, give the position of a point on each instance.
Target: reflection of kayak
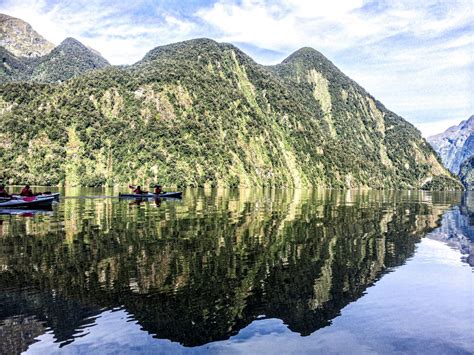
(55, 195)
(24, 212)
(28, 202)
(178, 194)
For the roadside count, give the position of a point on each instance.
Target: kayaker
(158, 190)
(137, 190)
(3, 192)
(26, 192)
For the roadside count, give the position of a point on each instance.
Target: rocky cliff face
(466, 173)
(20, 39)
(455, 145)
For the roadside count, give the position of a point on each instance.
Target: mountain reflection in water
(201, 269)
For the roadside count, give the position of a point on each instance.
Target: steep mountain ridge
(201, 112)
(455, 145)
(349, 111)
(71, 58)
(20, 39)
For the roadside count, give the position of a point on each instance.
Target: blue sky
(417, 57)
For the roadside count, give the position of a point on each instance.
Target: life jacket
(26, 192)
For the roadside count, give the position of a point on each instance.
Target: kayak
(177, 194)
(28, 202)
(55, 195)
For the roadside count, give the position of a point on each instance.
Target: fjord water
(251, 271)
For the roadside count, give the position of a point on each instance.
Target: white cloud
(112, 28)
(431, 128)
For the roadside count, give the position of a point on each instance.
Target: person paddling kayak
(3, 192)
(158, 190)
(137, 190)
(27, 192)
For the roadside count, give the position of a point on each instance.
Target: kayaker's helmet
(27, 186)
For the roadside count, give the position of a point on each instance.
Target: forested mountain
(455, 145)
(13, 67)
(200, 112)
(71, 58)
(20, 39)
(26, 56)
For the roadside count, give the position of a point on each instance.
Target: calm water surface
(240, 272)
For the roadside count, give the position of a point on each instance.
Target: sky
(416, 57)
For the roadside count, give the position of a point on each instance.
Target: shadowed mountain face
(466, 173)
(201, 271)
(12, 66)
(204, 113)
(455, 145)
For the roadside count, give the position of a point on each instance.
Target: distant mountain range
(455, 146)
(26, 56)
(203, 113)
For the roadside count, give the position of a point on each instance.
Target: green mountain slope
(369, 139)
(70, 59)
(12, 67)
(200, 112)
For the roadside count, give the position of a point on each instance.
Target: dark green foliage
(439, 183)
(12, 66)
(200, 112)
(71, 58)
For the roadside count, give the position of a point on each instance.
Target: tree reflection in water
(200, 270)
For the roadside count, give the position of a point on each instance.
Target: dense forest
(203, 113)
